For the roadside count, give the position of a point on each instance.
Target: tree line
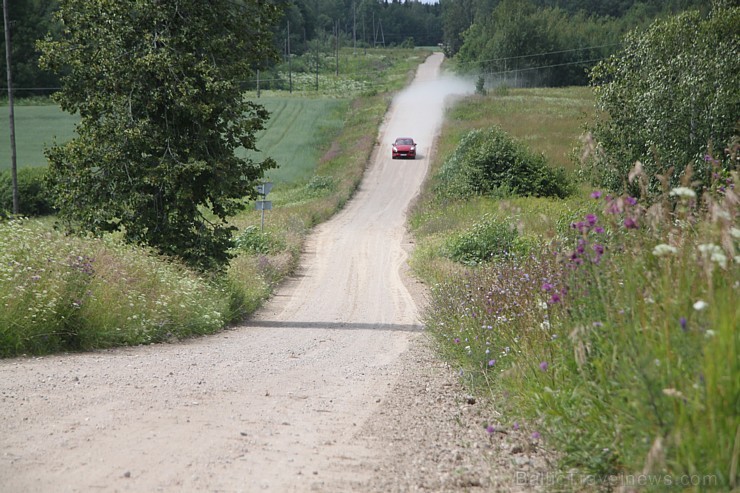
(521, 42)
(544, 42)
(301, 27)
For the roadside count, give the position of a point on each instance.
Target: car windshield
(405, 142)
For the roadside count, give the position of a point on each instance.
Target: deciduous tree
(157, 86)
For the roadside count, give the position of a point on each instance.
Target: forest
(519, 42)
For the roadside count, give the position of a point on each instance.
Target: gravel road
(331, 387)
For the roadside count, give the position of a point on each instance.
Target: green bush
(253, 240)
(490, 162)
(33, 197)
(490, 238)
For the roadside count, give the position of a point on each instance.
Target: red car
(404, 147)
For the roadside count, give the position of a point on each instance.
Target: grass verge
(613, 337)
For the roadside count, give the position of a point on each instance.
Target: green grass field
(305, 122)
(36, 126)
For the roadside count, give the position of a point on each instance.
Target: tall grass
(615, 341)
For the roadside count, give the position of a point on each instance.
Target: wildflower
(490, 429)
(555, 298)
(700, 305)
(492, 362)
(630, 223)
(683, 193)
(536, 435)
(591, 219)
(663, 249)
(546, 287)
(714, 253)
(596, 194)
(544, 366)
(598, 324)
(683, 322)
(631, 200)
(710, 333)
(516, 425)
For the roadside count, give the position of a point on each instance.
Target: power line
(546, 53)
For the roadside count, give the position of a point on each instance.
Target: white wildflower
(710, 333)
(714, 253)
(700, 305)
(663, 249)
(683, 192)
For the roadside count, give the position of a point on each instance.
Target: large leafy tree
(669, 95)
(157, 86)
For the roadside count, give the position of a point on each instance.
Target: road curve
(274, 405)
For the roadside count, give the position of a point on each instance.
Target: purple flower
(591, 219)
(596, 194)
(555, 298)
(599, 229)
(492, 362)
(631, 200)
(630, 223)
(457, 340)
(536, 435)
(547, 287)
(490, 429)
(684, 323)
(516, 425)
(544, 366)
(599, 249)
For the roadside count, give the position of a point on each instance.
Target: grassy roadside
(61, 293)
(614, 338)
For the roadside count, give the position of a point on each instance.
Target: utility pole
(290, 66)
(13, 166)
(336, 45)
(317, 48)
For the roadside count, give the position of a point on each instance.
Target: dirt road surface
(331, 387)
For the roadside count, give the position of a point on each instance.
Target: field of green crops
(305, 122)
(36, 126)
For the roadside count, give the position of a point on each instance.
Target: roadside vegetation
(65, 293)
(604, 322)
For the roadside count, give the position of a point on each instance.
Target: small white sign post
(263, 205)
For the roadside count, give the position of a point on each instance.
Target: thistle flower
(630, 223)
(596, 194)
(544, 366)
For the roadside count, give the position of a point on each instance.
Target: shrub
(490, 162)
(490, 238)
(33, 196)
(254, 240)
